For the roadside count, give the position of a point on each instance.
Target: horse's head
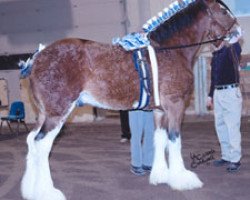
(222, 23)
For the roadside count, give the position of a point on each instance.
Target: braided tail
(26, 66)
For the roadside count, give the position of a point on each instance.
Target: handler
(225, 97)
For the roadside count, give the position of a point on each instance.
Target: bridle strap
(234, 22)
(227, 30)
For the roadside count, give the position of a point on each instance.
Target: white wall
(245, 24)
(25, 24)
(139, 11)
(12, 79)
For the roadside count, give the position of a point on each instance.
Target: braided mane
(176, 23)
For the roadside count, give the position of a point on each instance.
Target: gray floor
(89, 163)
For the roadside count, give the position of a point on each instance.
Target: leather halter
(210, 13)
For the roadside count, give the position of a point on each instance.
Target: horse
(103, 75)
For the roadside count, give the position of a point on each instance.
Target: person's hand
(234, 36)
(210, 105)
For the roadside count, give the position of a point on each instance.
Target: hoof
(158, 176)
(28, 183)
(184, 180)
(53, 194)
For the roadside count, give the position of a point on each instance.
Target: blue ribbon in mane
(132, 41)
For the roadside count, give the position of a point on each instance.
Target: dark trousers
(124, 124)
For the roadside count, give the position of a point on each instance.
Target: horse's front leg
(179, 177)
(159, 172)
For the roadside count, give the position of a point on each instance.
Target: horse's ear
(223, 5)
(215, 1)
(210, 1)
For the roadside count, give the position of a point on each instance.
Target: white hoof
(27, 190)
(53, 194)
(158, 176)
(29, 178)
(30, 194)
(184, 180)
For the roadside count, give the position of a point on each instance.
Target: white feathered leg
(44, 187)
(159, 172)
(29, 177)
(179, 177)
(37, 183)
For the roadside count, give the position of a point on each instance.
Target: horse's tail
(26, 66)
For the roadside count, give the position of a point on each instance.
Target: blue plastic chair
(16, 114)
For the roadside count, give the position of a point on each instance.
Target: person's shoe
(124, 140)
(146, 168)
(138, 171)
(221, 162)
(233, 166)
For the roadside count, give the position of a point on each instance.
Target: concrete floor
(89, 163)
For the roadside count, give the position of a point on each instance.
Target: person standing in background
(142, 141)
(124, 119)
(225, 97)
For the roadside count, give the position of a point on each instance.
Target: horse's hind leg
(159, 172)
(38, 170)
(44, 187)
(179, 177)
(29, 177)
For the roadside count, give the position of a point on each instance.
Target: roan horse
(103, 75)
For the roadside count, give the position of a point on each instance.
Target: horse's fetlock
(40, 136)
(173, 135)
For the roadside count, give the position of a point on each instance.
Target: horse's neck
(193, 35)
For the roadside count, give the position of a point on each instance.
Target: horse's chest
(175, 81)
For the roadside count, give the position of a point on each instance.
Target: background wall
(26, 23)
(245, 24)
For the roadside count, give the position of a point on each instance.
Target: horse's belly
(87, 98)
